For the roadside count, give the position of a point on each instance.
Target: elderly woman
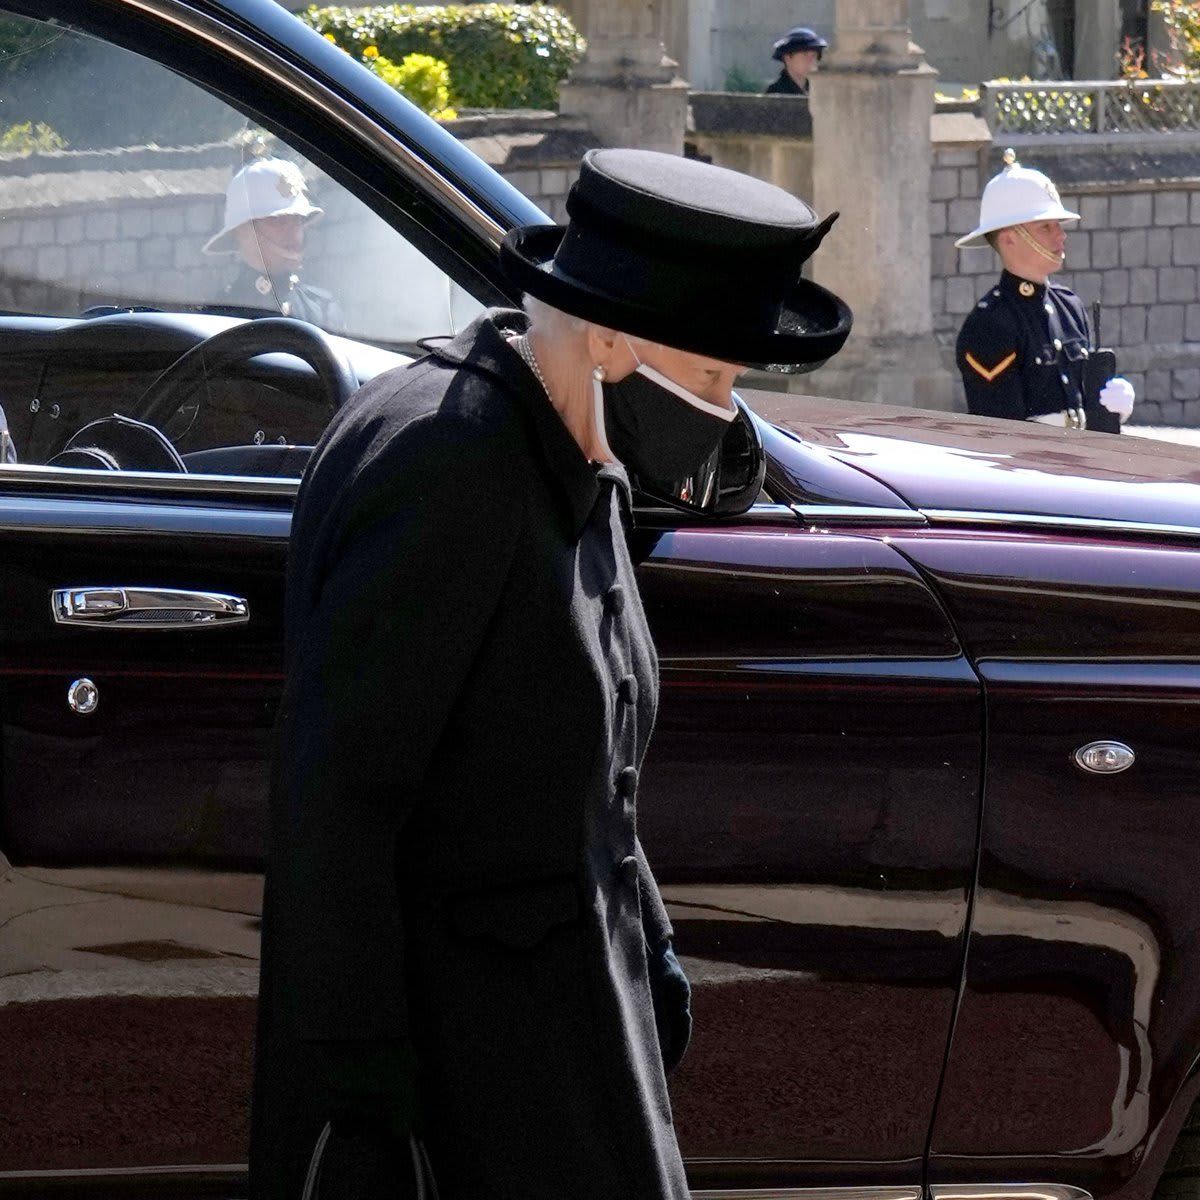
(462, 938)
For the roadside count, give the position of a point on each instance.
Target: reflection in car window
(127, 190)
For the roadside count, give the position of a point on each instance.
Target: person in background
(799, 50)
(1023, 350)
(267, 210)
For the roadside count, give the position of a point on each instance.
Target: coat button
(627, 689)
(614, 600)
(627, 782)
(628, 870)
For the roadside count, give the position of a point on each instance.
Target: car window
(140, 215)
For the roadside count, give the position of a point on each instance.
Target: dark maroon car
(923, 794)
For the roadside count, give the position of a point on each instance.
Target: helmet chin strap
(1028, 238)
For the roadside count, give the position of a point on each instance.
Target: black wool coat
(453, 861)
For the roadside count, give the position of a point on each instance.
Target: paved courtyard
(1166, 433)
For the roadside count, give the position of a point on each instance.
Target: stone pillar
(769, 137)
(1097, 38)
(625, 86)
(1158, 41)
(872, 107)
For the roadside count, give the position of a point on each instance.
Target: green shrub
(17, 38)
(738, 79)
(26, 136)
(499, 55)
(1182, 21)
(425, 80)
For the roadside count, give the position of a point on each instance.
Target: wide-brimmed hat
(1017, 196)
(680, 252)
(266, 187)
(799, 38)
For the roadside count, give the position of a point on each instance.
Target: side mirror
(727, 484)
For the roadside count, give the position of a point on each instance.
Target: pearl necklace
(525, 350)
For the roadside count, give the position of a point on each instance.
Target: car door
(811, 798)
(1073, 1058)
(140, 650)
(810, 804)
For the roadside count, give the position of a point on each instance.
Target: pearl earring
(598, 373)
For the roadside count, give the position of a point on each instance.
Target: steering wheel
(265, 335)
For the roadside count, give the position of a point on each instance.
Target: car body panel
(126, 828)
(818, 887)
(950, 461)
(1077, 1029)
(872, 688)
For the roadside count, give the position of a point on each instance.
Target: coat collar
(483, 347)
(1022, 289)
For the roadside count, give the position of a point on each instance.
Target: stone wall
(769, 137)
(128, 226)
(713, 37)
(1136, 250)
(537, 152)
(122, 227)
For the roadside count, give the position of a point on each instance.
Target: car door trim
(1007, 1191)
(214, 1181)
(825, 1193)
(1047, 521)
(87, 514)
(225, 1175)
(855, 514)
(148, 481)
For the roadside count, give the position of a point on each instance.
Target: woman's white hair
(545, 318)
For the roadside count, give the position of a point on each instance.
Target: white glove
(1118, 396)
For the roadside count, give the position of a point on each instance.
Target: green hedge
(500, 55)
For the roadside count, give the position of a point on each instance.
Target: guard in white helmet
(266, 212)
(1024, 348)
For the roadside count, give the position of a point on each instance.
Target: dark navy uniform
(785, 85)
(255, 294)
(1023, 351)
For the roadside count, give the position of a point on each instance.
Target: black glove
(368, 1088)
(672, 996)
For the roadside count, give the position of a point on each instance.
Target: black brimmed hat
(687, 254)
(799, 38)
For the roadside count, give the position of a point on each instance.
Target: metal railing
(1104, 106)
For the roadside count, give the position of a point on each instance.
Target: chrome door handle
(146, 608)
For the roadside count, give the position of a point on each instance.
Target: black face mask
(656, 429)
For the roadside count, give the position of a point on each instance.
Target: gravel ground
(1166, 433)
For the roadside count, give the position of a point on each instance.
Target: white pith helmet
(1017, 196)
(266, 187)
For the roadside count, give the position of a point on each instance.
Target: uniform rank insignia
(991, 373)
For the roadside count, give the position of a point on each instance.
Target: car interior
(122, 343)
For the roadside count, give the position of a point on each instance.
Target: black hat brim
(811, 328)
(787, 45)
